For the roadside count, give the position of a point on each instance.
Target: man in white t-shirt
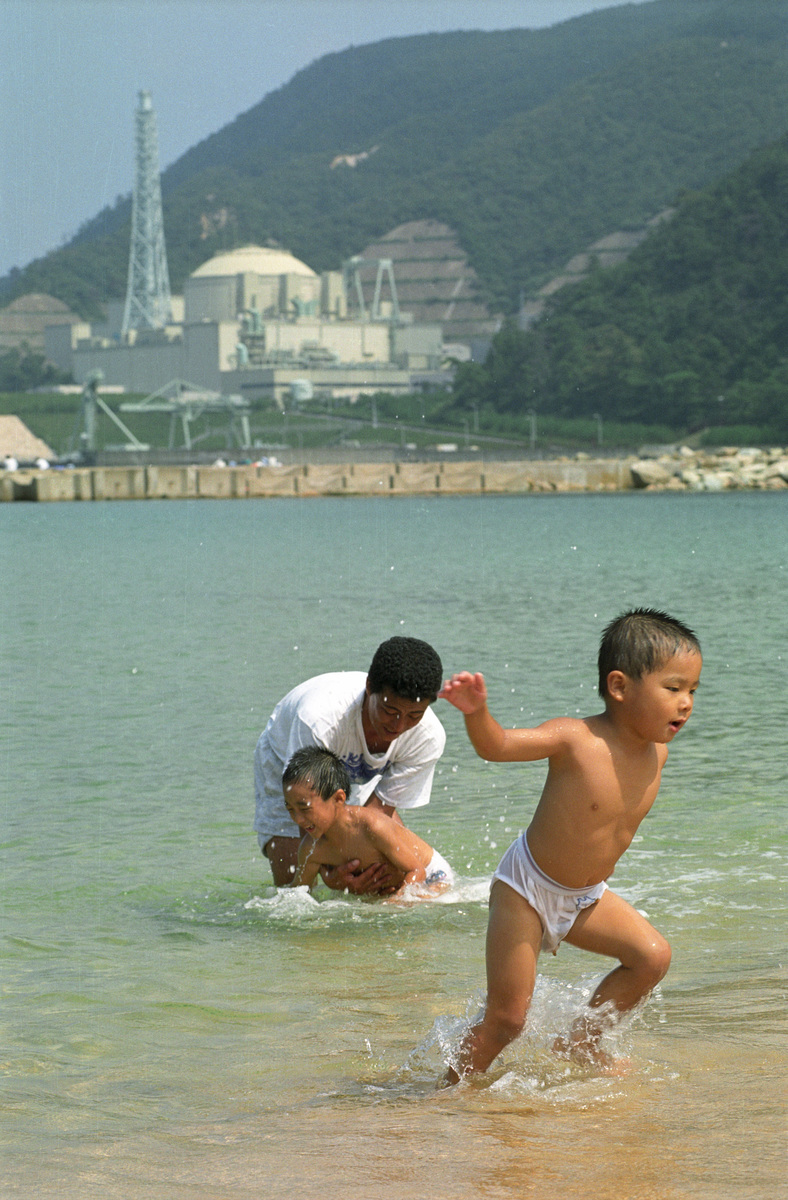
(382, 727)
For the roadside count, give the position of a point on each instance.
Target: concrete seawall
(349, 479)
(680, 470)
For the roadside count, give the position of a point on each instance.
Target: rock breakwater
(685, 469)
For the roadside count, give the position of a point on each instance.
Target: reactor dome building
(258, 322)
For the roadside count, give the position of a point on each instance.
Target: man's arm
(381, 879)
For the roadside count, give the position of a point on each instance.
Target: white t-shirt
(326, 711)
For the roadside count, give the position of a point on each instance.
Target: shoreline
(684, 470)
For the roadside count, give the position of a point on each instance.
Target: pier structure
(252, 480)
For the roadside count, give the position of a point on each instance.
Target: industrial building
(253, 323)
(259, 323)
(23, 321)
(436, 282)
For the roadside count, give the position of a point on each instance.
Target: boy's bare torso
(353, 836)
(597, 792)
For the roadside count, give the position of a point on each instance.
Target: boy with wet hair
(381, 726)
(550, 886)
(639, 641)
(316, 786)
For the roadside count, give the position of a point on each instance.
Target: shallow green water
(173, 1027)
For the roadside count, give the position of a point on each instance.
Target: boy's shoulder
(578, 735)
(352, 819)
(604, 728)
(573, 729)
(371, 823)
(364, 817)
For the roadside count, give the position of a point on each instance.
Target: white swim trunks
(439, 870)
(558, 906)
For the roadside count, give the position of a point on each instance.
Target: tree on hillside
(22, 370)
(691, 330)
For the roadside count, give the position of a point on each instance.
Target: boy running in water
(603, 776)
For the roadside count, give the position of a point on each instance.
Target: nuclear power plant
(253, 322)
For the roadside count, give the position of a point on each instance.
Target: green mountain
(529, 144)
(691, 331)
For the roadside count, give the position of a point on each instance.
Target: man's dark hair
(407, 667)
(320, 769)
(641, 641)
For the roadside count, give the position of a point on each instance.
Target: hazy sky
(70, 71)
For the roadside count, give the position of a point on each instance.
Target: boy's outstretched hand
(465, 691)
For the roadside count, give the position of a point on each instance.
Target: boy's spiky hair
(407, 667)
(320, 769)
(640, 641)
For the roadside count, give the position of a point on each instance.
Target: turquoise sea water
(173, 1027)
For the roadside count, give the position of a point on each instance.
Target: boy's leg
(514, 938)
(614, 928)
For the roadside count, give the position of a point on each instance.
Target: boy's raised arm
(468, 693)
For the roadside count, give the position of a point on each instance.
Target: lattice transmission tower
(148, 300)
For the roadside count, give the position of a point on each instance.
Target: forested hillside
(529, 144)
(692, 331)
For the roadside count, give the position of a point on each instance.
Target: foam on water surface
(300, 905)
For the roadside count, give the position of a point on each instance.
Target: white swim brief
(439, 870)
(558, 906)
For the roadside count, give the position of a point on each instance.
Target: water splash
(298, 904)
(468, 891)
(294, 904)
(529, 1067)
